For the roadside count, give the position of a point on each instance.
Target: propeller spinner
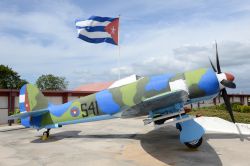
(226, 81)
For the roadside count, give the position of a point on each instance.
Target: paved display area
(118, 142)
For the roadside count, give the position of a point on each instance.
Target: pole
(119, 50)
(119, 74)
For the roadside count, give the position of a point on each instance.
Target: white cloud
(156, 38)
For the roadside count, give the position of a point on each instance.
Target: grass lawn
(239, 117)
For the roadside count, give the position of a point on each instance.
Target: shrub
(245, 109)
(220, 107)
(17, 111)
(237, 107)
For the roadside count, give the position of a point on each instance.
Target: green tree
(10, 79)
(51, 82)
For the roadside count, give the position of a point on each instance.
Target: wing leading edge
(159, 102)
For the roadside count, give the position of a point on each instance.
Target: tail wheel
(45, 135)
(194, 144)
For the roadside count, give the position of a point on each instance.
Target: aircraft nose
(229, 76)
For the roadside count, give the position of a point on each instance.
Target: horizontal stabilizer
(27, 114)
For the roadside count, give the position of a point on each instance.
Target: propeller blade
(228, 84)
(228, 104)
(217, 59)
(212, 65)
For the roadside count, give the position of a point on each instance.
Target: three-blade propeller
(226, 83)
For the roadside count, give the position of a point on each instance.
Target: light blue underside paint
(209, 83)
(191, 130)
(59, 110)
(158, 83)
(25, 122)
(168, 110)
(106, 102)
(50, 126)
(195, 100)
(89, 119)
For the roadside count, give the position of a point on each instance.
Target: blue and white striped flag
(98, 29)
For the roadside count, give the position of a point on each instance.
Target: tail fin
(31, 99)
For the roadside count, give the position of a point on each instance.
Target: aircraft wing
(165, 100)
(161, 101)
(27, 114)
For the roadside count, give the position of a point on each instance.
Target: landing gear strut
(45, 135)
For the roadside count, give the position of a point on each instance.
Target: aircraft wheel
(194, 144)
(159, 122)
(45, 135)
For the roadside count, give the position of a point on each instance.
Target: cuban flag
(98, 29)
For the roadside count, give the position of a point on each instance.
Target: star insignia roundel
(74, 111)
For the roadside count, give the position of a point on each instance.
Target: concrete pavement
(119, 142)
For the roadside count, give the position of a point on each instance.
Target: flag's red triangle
(112, 29)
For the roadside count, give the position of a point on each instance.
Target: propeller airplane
(163, 98)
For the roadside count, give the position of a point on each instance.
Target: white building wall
(245, 101)
(3, 109)
(3, 116)
(3, 102)
(237, 99)
(16, 102)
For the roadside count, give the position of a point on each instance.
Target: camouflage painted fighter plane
(161, 97)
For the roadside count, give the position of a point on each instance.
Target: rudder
(31, 99)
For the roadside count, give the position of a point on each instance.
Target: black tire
(194, 144)
(159, 122)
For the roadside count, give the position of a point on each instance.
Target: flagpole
(119, 49)
(119, 76)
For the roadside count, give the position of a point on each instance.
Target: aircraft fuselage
(200, 84)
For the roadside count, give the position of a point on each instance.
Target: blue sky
(39, 37)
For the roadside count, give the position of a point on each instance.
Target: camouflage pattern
(199, 83)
